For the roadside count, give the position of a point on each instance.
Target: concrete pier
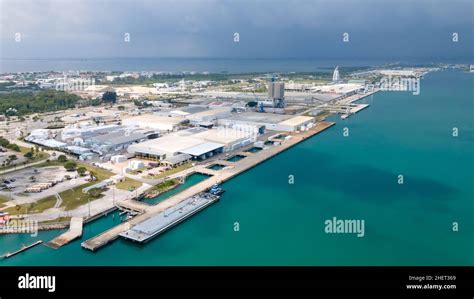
(170, 217)
(23, 248)
(74, 232)
(220, 176)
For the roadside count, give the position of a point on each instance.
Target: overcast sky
(202, 28)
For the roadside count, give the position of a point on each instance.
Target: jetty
(170, 217)
(23, 248)
(250, 160)
(74, 232)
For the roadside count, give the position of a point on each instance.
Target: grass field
(128, 184)
(171, 171)
(2, 200)
(100, 174)
(34, 207)
(74, 197)
(162, 187)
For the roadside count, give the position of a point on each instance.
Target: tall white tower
(335, 75)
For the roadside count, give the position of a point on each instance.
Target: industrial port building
(199, 144)
(275, 122)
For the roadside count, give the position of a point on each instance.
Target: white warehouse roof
(297, 120)
(223, 135)
(167, 144)
(153, 121)
(202, 148)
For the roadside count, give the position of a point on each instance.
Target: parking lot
(14, 184)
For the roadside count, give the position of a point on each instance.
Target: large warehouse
(208, 115)
(155, 122)
(231, 138)
(296, 123)
(173, 144)
(199, 143)
(275, 122)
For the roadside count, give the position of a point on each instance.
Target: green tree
(81, 170)
(40, 101)
(4, 142)
(109, 96)
(62, 158)
(70, 165)
(29, 155)
(13, 147)
(95, 192)
(95, 102)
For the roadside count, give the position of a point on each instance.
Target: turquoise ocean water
(351, 177)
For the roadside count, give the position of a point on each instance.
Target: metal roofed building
(208, 115)
(155, 122)
(296, 123)
(204, 150)
(275, 122)
(345, 89)
(269, 120)
(116, 140)
(51, 143)
(186, 111)
(174, 144)
(87, 131)
(176, 160)
(230, 137)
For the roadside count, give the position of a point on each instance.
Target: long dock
(170, 217)
(24, 248)
(74, 232)
(221, 176)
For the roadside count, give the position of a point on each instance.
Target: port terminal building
(271, 121)
(198, 143)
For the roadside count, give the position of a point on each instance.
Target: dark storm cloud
(267, 28)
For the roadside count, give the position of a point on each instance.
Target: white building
(297, 123)
(155, 122)
(135, 164)
(85, 131)
(118, 158)
(174, 144)
(275, 122)
(231, 138)
(208, 115)
(335, 75)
